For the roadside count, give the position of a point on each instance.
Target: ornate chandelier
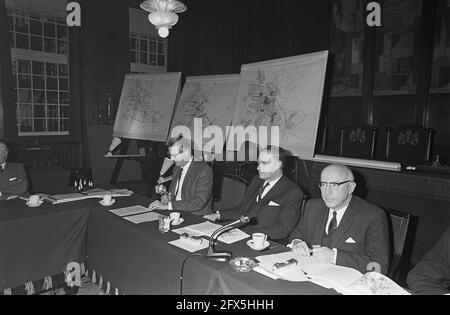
(163, 14)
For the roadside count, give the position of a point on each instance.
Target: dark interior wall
(218, 36)
(99, 60)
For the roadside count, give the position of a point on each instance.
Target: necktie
(333, 225)
(1, 169)
(179, 183)
(261, 191)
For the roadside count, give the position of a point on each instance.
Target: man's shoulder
(201, 166)
(367, 207)
(290, 185)
(13, 165)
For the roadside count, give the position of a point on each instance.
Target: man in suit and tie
(13, 178)
(432, 274)
(191, 187)
(272, 198)
(341, 228)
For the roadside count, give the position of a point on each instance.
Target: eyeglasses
(169, 156)
(333, 186)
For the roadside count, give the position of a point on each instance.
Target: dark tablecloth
(40, 242)
(137, 259)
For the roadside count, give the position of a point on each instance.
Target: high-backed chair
(233, 191)
(409, 144)
(398, 229)
(358, 141)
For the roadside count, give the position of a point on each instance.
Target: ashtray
(242, 264)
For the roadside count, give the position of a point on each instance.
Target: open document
(291, 266)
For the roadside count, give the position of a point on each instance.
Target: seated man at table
(13, 177)
(432, 274)
(342, 229)
(272, 199)
(191, 187)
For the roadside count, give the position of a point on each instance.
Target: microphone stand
(227, 254)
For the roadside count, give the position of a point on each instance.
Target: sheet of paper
(190, 247)
(292, 273)
(67, 198)
(141, 218)
(123, 212)
(208, 228)
(187, 231)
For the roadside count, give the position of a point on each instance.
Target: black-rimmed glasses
(332, 185)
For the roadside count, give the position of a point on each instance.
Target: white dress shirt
(180, 183)
(268, 188)
(339, 214)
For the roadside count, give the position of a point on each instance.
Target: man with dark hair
(13, 178)
(191, 187)
(342, 229)
(432, 274)
(272, 198)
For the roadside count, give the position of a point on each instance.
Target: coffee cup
(107, 199)
(175, 217)
(259, 240)
(34, 199)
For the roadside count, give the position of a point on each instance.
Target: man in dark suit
(13, 178)
(191, 187)
(272, 198)
(341, 228)
(432, 274)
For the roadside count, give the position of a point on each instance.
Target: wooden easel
(121, 157)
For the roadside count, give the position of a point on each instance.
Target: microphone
(226, 255)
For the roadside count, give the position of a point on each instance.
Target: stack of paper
(94, 193)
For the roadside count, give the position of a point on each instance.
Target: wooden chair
(358, 141)
(409, 144)
(399, 222)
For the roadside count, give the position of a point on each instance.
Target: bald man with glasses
(340, 228)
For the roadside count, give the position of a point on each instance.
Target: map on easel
(286, 93)
(210, 98)
(146, 106)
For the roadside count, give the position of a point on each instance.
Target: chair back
(409, 144)
(233, 191)
(358, 141)
(399, 222)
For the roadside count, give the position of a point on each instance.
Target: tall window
(39, 48)
(148, 51)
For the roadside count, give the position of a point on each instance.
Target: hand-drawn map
(146, 106)
(211, 98)
(286, 93)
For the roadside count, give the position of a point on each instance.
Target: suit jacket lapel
(323, 219)
(187, 177)
(346, 222)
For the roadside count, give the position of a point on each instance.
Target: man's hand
(166, 198)
(323, 254)
(158, 205)
(300, 247)
(212, 217)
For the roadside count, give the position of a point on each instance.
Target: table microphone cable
(182, 270)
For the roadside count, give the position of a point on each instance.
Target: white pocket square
(11, 179)
(350, 241)
(273, 204)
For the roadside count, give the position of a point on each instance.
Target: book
(291, 266)
(208, 228)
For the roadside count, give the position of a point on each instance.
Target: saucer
(179, 222)
(252, 246)
(107, 204)
(35, 205)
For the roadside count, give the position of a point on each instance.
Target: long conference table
(132, 258)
